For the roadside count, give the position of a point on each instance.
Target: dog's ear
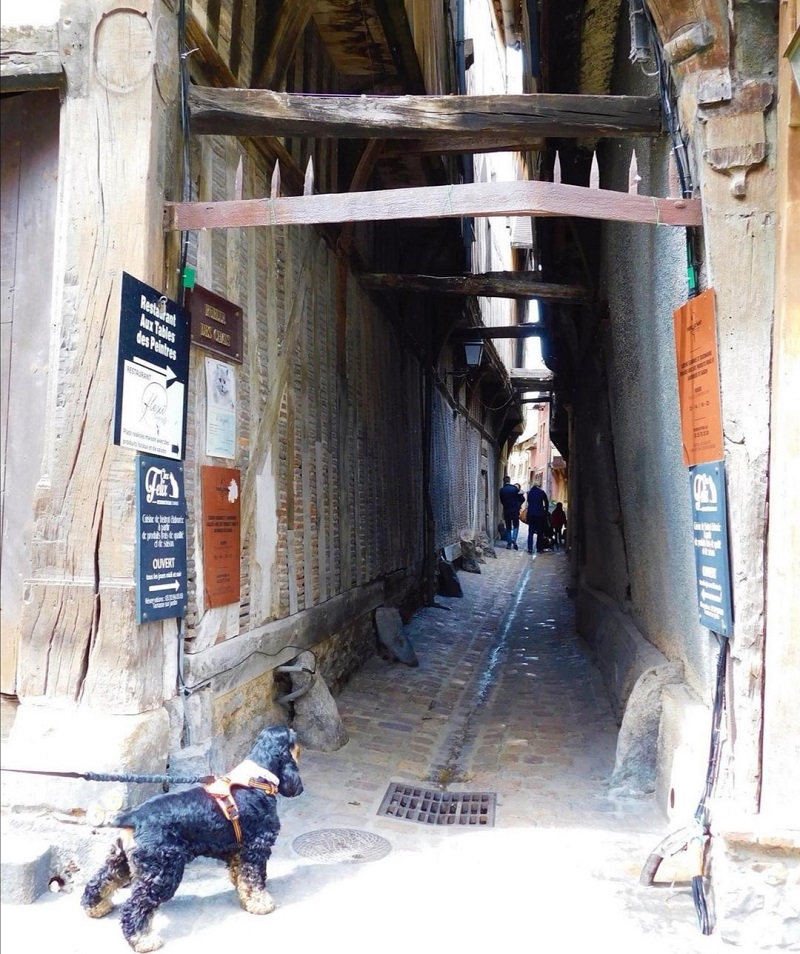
(269, 748)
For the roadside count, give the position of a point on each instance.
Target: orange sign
(221, 535)
(698, 380)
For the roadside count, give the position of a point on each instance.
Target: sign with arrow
(160, 539)
(152, 372)
(710, 526)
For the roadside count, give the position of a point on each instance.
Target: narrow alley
(505, 701)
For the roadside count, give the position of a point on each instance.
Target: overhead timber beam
(262, 112)
(285, 28)
(487, 285)
(525, 330)
(396, 29)
(461, 144)
(524, 379)
(480, 199)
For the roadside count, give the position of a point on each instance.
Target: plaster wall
(644, 275)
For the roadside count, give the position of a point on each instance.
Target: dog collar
(247, 774)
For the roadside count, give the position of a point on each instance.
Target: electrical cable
(679, 149)
(183, 55)
(701, 815)
(255, 652)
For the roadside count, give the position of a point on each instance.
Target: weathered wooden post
(93, 683)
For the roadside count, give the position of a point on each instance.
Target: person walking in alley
(558, 521)
(538, 516)
(511, 500)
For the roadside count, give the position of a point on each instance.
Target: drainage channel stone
(457, 809)
(333, 845)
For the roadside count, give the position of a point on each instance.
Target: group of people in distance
(543, 526)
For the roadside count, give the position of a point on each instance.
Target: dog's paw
(99, 910)
(145, 942)
(258, 902)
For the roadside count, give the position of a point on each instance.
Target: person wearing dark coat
(538, 517)
(558, 521)
(511, 500)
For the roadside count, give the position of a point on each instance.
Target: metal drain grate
(459, 809)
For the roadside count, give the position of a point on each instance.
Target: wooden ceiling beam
(286, 26)
(480, 199)
(461, 145)
(487, 285)
(525, 330)
(524, 379)
(261, 112)
(396, 29)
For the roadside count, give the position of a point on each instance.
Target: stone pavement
(505, 701)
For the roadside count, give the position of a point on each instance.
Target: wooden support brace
(480, 199)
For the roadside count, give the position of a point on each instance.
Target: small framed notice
(220, 409)
(221, 535)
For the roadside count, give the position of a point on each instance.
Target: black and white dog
(166, 832)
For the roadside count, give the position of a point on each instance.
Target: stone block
(24, 869)
(189, 761)
(82, 740)
(391, 635)
(636, 762)
(683, 744)
(620, 651)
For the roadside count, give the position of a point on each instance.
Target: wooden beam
(525, 330)
(30, 58)
(525, 379)
(287, 24)
(462, 144)
(396, 29)
(479, 199)
(262, 112)
(487, 285)
(546, 399)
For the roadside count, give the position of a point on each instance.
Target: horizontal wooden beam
(30, 58)
(479, 199)
(524, 379)
(525, 330)
(546, 399)
(461, 144)
(261, 112)
(486, 285)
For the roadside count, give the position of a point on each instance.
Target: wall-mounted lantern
(473, 353)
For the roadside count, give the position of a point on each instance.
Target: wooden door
(29, 174)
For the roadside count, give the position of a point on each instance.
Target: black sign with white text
(152, 372)
(710, 527)
(161, 539)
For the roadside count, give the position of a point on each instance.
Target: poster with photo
(221, 409)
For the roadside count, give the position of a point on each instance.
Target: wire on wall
(187, 690)
(183, 69)
(679, 148)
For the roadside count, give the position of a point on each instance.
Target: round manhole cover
(331, 845)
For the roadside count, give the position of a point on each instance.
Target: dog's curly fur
(168, 831)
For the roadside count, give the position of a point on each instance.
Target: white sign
(220, 409)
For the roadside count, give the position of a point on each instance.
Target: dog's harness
(245, 775)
